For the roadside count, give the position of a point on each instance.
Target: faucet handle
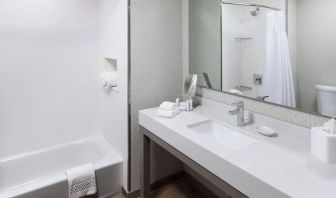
(233, 112)
(238, 104)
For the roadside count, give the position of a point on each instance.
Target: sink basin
(215, 133)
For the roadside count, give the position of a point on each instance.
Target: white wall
(241, 59)
(205, 36)
(113, 105)
(231, 58)
(316, 48)
(48, 72)
(253, 51)
(156, 74)
(51, 54)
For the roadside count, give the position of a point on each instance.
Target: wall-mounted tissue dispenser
(109, 77)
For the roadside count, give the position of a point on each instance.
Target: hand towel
(168, 106)
(168, 114)
(81, 181)
(108, 79)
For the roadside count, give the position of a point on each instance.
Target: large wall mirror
(277, 51)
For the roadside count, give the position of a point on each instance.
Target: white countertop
(272, 167)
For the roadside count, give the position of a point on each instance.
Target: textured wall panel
(156, 69)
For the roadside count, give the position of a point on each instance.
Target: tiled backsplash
(281, 113)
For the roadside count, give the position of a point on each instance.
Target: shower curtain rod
(254, 5)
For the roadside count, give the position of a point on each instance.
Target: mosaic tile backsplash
(281, 113)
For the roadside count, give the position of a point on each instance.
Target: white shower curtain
(278, 77)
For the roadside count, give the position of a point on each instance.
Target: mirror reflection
(278, 51)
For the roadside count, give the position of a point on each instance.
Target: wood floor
(181, 188)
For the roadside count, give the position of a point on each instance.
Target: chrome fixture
(243, 38)
(257, 79)
(255, 12)
(252, 5)
(239, 111)
(262, 98)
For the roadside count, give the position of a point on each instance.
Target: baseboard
(162, 182)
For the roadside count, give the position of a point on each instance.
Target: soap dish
(266, 131)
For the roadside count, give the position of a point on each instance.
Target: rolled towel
(168, 114)
(108, 79)
(81, 181)
(168, 106)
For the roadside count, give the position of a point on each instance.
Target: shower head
(255, 12)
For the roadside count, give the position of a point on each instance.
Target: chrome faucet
(239, 111)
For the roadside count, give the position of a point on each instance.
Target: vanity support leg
(145, 167)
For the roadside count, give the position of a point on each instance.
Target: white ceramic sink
(215, 133)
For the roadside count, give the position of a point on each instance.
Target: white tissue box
(323, 145)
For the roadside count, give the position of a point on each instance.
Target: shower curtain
(278, 77)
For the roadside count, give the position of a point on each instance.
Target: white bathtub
(40, 173)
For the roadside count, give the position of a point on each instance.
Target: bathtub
(41, 173)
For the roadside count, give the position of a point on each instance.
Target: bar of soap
(266, 131)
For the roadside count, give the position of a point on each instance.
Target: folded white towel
(330, 126)
(168, 114)
(81, 181)
(168, 106)
(108, 79)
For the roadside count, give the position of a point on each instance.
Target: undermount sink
(215, 133)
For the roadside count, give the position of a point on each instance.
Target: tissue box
(323, 145)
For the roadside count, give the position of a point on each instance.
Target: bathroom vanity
(238, 160)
